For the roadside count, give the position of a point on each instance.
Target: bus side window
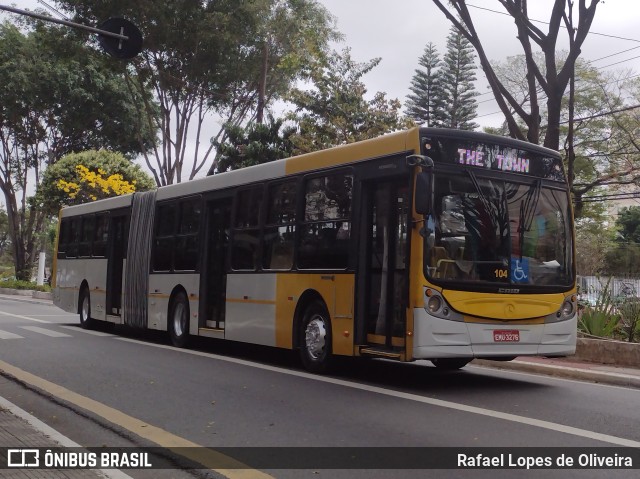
(187, 241)
(101, 232)
(163, 243)
(245, 240)
(74, 237)
(278, 237)
(86, 236)
(325, 233)
(63, 238)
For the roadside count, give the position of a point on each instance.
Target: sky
(397, 31)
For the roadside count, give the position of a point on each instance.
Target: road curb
(565, 372)
(25, 299)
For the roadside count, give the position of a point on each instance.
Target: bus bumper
(441, 338)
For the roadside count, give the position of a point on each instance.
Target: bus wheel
(450, 364)
(315, 341)
(85, 309)
(179, 320)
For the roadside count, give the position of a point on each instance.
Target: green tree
(335, 111)
(95, 174)
(212, 58)
(424, 87)
(256, 144)
(628, 225)
(57, 96)
(455, 105)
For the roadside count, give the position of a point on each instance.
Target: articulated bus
(423, 244)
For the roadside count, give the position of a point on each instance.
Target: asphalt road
(117, 387)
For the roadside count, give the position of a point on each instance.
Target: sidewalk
(20, 430)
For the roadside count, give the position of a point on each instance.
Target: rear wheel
(315, 340)
(179, 320)
(85, 309)
(450, 364)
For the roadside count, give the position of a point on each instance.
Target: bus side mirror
(423, 193)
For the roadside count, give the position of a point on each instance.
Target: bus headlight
(568, 308)
(434, 304)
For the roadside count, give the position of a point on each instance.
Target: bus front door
(384, 279)
(213, 279)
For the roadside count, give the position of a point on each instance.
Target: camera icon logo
(23, 458)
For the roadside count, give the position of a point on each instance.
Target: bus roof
(480, 136)
(393, 143)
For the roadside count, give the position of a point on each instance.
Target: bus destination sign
(494, 157)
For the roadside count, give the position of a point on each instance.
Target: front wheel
(85, 310)
(315, 341)
(179, 320)
(450, 364)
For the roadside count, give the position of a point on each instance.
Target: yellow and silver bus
(429, 243)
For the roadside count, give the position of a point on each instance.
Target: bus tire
(85, 309)
(315, 339)
(179, 320)
(450, 364)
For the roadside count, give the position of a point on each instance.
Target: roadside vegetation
(605, 315)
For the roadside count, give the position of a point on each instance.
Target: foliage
(597, 323)
(57, 96)
(601, 319)
(335, 111)
(424, 87)
(630, 318)
(628, 224)
(255, 144)
(212, 57)
(455, 105)
(91, 175)
(23, 284)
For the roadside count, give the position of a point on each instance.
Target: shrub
(19, 284)
(600, 319)
(630, 318)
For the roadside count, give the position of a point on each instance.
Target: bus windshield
(498, 231)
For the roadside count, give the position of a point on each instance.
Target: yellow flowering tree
(91, 175)
(96, 184)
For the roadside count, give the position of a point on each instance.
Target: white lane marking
(46, 332)
(620, 441)
(28, 318)
(86, 331)
(58, 437)
(8, 335)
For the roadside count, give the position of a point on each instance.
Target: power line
(547, 23)
(614, 54)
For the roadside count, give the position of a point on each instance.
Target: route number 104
(501, 273)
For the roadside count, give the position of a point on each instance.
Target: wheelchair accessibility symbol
(520, 270)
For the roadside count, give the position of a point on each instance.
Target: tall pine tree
(455, 105)
(424, 87)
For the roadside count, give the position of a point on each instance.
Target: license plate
(506, 336)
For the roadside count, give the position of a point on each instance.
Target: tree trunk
(262, 92)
